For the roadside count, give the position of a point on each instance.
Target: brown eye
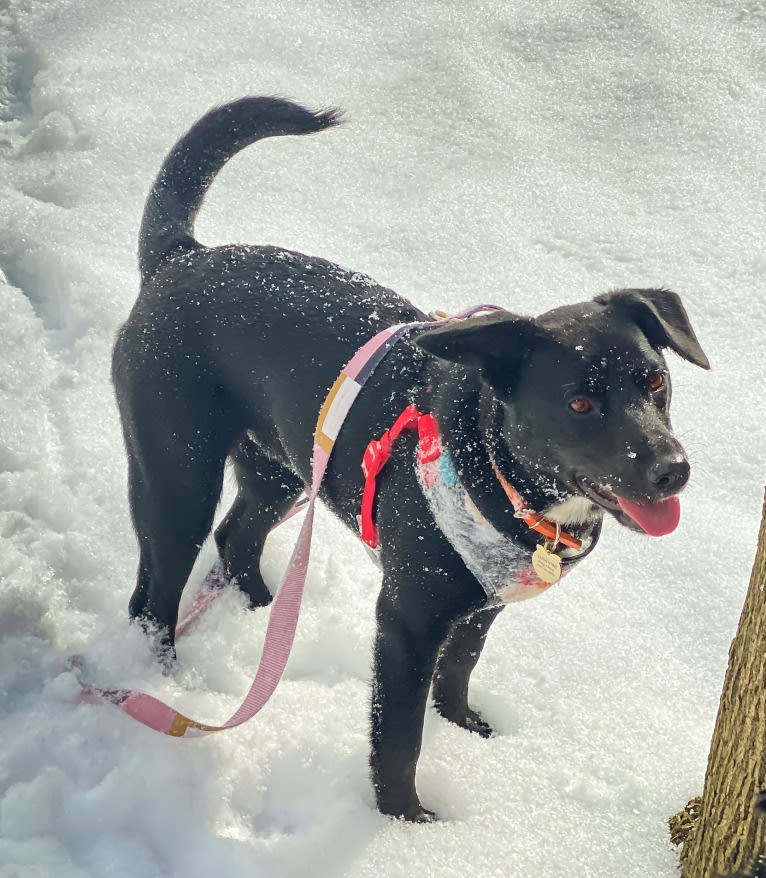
(581, 405)
(655, 380)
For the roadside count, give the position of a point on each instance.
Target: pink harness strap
(283, 620)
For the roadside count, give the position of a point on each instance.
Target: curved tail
(167, 226)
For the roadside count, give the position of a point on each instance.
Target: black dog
(229, 352)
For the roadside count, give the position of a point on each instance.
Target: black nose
(670, 474)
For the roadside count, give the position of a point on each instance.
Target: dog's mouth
(656, 518)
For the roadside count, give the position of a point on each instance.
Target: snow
(529, 154)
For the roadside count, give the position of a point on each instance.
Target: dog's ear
(495, 343)
(663, 320)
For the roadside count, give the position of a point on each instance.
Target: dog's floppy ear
(494, 343)
(663, 320)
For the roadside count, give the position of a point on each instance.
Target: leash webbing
(283, 619)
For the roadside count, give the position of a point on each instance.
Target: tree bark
(726, 836)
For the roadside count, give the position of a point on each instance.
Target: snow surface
(529, 153)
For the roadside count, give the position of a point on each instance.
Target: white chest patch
(574, 510)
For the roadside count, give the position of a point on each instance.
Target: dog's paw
(471, 720)
(254, 588)
(422, 815)
(474, 722)
(414, 814)
(160, 640)
(164, 651)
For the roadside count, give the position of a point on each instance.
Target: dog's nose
(670, 474)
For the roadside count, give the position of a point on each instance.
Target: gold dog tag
(546, 564)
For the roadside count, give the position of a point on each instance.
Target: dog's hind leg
(457, 659)
(266, 491)
(175, 481)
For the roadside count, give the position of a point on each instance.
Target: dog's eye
(655, 381)
(582, 405)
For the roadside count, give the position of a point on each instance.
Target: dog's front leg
(457, 659)
(408, 639)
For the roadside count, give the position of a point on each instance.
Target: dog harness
(501, 566)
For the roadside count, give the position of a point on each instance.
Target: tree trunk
(726, 836)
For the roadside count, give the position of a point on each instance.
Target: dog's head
(582, 398)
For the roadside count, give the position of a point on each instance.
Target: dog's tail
(167, 227)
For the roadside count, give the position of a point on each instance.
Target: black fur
(230, 351)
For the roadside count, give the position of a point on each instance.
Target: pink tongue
(657, 519)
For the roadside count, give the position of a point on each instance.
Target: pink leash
(283, 620)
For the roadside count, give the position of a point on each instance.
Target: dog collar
(537, 522)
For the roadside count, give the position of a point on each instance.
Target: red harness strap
(378, 452)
